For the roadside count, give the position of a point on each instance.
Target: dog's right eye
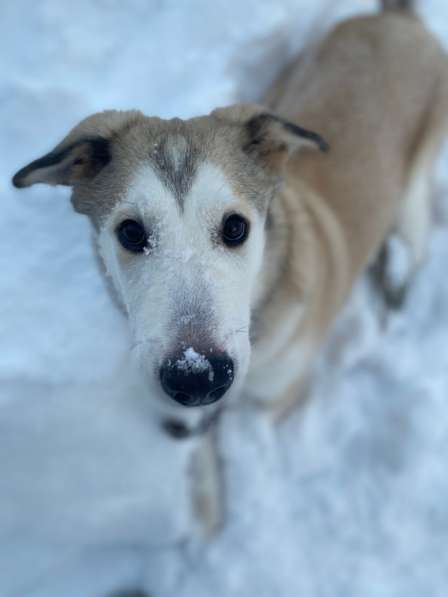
(132, 236)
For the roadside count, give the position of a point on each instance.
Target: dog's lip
(176, 429)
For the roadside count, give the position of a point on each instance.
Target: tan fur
(377, 88)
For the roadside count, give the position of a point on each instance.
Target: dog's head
(179, 210)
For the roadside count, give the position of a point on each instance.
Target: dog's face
(179, 209)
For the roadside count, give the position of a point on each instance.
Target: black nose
(194, 379)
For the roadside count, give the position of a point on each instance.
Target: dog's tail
(398, 5)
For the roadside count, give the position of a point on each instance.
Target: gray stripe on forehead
(175, 161)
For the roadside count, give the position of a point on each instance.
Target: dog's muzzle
(194, 380)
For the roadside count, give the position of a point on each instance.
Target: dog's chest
(281, 357)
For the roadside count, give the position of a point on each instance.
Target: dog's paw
(207, 486)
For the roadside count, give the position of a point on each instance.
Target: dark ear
(269, 137)
(79, 161)
(273, 139)
(81, 155)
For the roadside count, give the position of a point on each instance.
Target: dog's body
(376, 88)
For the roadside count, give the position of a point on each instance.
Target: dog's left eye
(132, 236)
(235, 229)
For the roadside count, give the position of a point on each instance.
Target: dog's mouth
(179, 429)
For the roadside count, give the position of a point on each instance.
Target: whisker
(242, 330)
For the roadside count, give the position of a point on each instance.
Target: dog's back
(377, 88)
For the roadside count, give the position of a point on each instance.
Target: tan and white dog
(233, 239)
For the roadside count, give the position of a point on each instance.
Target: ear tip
(18, 180)
(318, 141)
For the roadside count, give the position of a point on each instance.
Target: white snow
(348, 498)
(399, 264)
(194, 362)
(151, 244)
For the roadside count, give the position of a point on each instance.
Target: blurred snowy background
(349, 499)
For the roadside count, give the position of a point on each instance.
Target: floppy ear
(268, 134)
(269, 137)
(81, 155)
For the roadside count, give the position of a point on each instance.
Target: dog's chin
(184, 425)
(188, 421)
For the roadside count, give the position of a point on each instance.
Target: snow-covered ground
(349, 499)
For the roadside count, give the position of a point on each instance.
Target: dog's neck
(298, 289)
(287, 216)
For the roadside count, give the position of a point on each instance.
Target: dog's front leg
(206, 483)
(204, 471)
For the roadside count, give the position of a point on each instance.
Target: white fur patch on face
(187, 290)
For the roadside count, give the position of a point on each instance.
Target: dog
(233, 240)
